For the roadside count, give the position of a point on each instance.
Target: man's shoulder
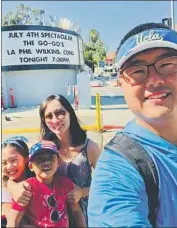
(112, 160)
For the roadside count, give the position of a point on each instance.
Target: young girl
(14, 167)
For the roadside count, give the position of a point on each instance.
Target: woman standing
(79, 154)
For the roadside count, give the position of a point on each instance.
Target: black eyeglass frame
(121, 71)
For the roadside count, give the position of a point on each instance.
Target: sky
(112, 19)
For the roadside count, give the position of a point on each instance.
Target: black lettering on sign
(56, 36)
(53, 43)
(33, 59)
(60, 59)
(24, 51)
(15, 34)
(28, 42)
(58, 44)
(32, 34)
(48, 51)
(67, 52)
(12, 52)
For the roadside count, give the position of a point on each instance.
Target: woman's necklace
(68, 154)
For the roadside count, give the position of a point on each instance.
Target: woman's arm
(93, 152)
(77, 193)
(77, 215)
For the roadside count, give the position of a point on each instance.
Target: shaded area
(20, 109)
(108, 100)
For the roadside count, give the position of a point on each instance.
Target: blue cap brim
(40, 150)
(148, 39)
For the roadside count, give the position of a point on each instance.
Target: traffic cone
(12, 99)
(76, 103)
(76, 98)
(2, 102)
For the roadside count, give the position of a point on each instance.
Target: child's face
(13, 163)
(44, 164)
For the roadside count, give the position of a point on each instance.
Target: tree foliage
(23, 15)
(94, 50)
(32, 16)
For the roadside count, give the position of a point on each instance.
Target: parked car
(114, 75)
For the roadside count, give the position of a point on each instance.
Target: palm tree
(94, 35)
(65, 24)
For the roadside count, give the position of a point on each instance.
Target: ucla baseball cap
(43, 145)
(151, 38)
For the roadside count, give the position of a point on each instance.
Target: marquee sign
(40, 47)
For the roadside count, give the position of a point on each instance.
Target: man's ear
(118, 82)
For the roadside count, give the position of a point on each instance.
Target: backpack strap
(141, 160)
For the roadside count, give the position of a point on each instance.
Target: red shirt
(39, 211)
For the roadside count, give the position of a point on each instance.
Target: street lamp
(172, 15)
(170, 21)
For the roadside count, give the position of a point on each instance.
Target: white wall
(84, 89)
(32, 86)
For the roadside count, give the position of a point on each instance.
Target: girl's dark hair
(23, 150)
(78, 135)
(141, 28)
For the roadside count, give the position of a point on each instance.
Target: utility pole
(172, 15)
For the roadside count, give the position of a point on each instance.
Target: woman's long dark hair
(23, 150)
(78, 135)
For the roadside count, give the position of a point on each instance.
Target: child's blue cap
(43, 145)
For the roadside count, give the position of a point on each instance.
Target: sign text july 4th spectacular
(41, 46)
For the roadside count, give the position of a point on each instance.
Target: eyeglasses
(137, 74)
(55, 216)
(58, 114)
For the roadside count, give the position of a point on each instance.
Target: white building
(38, 61)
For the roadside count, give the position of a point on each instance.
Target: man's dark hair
(141, 28)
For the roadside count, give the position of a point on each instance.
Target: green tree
(23, 15)
(94, 50)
